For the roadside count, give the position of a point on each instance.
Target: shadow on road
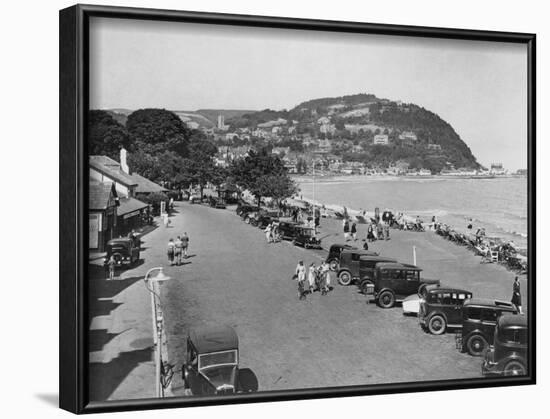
(98, 338)
(106, 377)
(247, 380)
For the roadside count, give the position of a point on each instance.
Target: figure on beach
(470, 224)
(387, 231)
(516, 296)
(346, 229)
(379, 231)
(354, 231)
(170, 250)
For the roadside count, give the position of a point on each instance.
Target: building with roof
(103, 202)
(130, 212)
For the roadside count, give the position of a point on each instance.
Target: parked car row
(483, 327)
(299, 234)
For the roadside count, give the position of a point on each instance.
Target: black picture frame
(73, 93)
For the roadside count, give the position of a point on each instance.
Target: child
(111, 265)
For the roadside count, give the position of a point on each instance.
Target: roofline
(106, 173)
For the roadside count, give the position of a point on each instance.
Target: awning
(130, 207)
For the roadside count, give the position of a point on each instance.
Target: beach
(499, 205)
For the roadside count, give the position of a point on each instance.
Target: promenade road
(234, 277)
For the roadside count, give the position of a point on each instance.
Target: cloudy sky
(479, 88)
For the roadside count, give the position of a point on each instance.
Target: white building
(380, 139)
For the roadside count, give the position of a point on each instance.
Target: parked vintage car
(367, 266)
(212, 362)
(411, 304)
(442, 309)
(305, 237)
(288, 230)
(263, 218)
(349, 267)
(479, 319)
(242, 208)
(217, 202)
(333, 258)
(393, 281)
(508, 354)
(124, 250)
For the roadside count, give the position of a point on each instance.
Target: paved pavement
(234, 277)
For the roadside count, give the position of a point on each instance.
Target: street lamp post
(158, 320)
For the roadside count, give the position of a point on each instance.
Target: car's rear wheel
(344, 278)
(386, 299)
(514, 368)
(437, 325)
(247, 220)
(476, 345)
(333, 264)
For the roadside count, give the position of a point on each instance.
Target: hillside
(202, 118)
(376, 131)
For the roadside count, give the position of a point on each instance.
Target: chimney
(123, 163)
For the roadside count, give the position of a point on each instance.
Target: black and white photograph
(276, 209)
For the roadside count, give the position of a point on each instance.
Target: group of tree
(163, 149)
(263, 175)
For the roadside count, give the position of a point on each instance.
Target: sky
(480, 88)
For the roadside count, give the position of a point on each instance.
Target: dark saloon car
(333, 258)
(367, 267)
(348, 267)
(442, 308)
(288, 230)
(263, 218)
(243, 208)
(124, 250)
(508, 354)
(479, 319)
(305, 237)
(393, 281)
(212, 361)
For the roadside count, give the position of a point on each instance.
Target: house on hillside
(380, 139)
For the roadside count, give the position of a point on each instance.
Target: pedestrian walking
(311, 275)
(380, 231)
(300, 276)
(346, 229)
(185, 244)
(268, 233)
(354, 231)
(178, 250)
(111, 263)
(387, 231)
(170, 250)
(516, 296)
(325, 278)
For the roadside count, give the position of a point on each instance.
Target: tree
(105, 135)
(263, 175)
(157, 130)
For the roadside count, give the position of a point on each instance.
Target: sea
(499, 204)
